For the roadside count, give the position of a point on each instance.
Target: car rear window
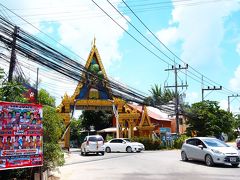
(94, 139)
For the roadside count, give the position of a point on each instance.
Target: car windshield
(128, 140)
(94, 139)
(215, 143)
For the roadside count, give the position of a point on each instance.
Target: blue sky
(203, 33)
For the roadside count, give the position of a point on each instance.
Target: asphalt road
(146, 165)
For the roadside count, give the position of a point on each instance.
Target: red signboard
(21, 135)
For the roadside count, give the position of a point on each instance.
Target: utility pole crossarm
(237, 95)
(176, 86)
(214, 88)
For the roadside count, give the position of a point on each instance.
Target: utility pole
(229, 100)
(176, 86)
(37, 85)
(210, 89)
(13, 54)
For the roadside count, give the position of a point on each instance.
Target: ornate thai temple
(94, 94)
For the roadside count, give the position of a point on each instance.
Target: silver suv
(93, 144)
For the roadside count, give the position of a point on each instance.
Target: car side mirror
(124, 142)
(200, 146)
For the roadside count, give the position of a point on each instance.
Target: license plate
(233, 159)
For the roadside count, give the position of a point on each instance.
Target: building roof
(111, 129)
(153, 113)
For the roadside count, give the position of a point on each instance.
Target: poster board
(21, 135)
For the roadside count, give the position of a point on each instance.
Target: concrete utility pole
(37, 82)
(229, 100)
(175, 69)
(13, 54)
(209, 89)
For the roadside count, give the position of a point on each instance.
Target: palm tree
(161, 97)
(156, 92)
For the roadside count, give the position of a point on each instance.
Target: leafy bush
(179, 141)
(109, 137)
(53, 128)
(149, 143)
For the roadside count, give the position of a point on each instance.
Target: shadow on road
(201, 163)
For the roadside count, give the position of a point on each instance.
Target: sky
(205, 34)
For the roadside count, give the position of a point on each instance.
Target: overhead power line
(124, 85)
(32, 48)
(131, 35)
(201, 75)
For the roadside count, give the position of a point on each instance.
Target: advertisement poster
(21, 135)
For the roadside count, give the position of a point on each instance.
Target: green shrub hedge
(149, 143)
(179, 141)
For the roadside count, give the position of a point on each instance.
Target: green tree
(159, 96)
(207, 119)
(98, 119)
(45, 98)
(75, 130)
(1, 73)
(12, 92)
(156, 92)
(52, 131)
(237, 121)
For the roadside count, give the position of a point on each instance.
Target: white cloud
(238, 48)
(223, 104)
(168, 36)
(75, 23)
(192, 97)
(235, 81)
(200, 29)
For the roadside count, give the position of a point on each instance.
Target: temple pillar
(129, 130)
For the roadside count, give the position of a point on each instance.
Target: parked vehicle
(210, 150)
(123, 145)
(238, 142)
(93, 144)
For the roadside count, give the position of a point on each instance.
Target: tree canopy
(53, 128)
(159, 96)
(12, 92)
(45, 98)
(98, 119)
(207, 119)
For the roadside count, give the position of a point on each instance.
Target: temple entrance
(94, 93)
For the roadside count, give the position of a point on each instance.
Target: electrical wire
(211, 81)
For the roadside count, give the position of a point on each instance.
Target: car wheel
(184, 156)
(108, 149)
(81, 152)
(235, 165)
(209, 160)
(129, 149)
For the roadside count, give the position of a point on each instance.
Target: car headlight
(217, 152)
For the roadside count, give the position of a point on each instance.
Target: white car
(123, 145)
(93, 144)
(210, 150)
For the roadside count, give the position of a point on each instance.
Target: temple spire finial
(94, 41)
